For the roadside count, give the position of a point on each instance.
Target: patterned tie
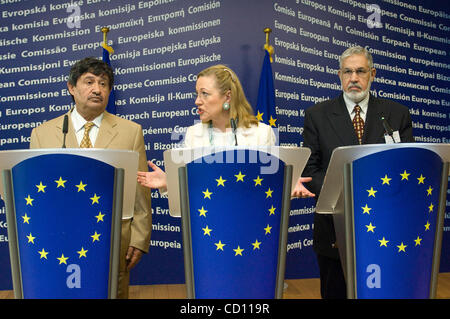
(86, 141)
(358, 123)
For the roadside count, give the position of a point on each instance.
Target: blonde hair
(226, 80)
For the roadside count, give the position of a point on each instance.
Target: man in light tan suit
(90, 83)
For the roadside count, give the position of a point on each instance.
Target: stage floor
(295, 289)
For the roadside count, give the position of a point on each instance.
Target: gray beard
(358, 96)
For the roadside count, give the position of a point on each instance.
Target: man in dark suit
(352, 118)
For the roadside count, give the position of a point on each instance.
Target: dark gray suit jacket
(327, 126)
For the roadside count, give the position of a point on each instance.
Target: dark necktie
(358, 123)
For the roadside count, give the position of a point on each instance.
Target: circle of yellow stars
(61, 183)
(203, 213)
(385, 242)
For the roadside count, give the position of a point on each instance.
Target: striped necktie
(358, 123)
(86, 141)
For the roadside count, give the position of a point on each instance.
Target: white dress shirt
(78, 124)
(364, 104)
(198, 135)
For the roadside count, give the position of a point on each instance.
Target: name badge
(395, 136)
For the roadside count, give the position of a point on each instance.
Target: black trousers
(332, 280)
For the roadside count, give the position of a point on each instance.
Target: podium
(388, 205)
(64, 210)
(234, 203)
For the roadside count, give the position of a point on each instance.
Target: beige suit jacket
(114, 133)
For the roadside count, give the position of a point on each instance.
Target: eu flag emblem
(235, 214)
(63, 206)
(107, 50)
(265, 105)
(396, 198)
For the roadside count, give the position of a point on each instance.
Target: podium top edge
(237, 147)
(67, 150)
(419, 145)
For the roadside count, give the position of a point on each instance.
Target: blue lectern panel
(235, 225)
(396, 196)
(63, 215)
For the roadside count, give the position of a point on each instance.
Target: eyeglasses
(201, 95)
(347, 73)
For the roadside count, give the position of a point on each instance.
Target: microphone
(65, 129)
(233, 127)
(387, 128)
